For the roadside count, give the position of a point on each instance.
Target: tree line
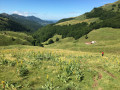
(108, 19)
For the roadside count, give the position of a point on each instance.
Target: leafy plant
(23, 71)
(5, 62)
(50, 41)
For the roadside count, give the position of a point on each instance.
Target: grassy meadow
(76, 21)
(14, 38)
(107, 40)
(67, 64)
(35, 68)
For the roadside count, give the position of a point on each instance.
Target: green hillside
(79, 26)
(36, 68)
(7, 24)
(107, 39)
(68, 60)
(14, 38)
(112, 6)
(115, 7)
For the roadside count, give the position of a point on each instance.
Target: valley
(37, 54)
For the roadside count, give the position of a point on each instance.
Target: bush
(13, 39)
(86, 37)
(57, 39)
(4, 62)
(23, 71)
(50, 41)
(113, 5)
(41, 45)
(118, 5)
(13, 64)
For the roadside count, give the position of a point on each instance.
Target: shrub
(57, 39)
(23, 71)
(4, 62)
(118, 5)
(50, 41)
(41, 45)
(86, 37)
(113, 5)
(13, 64)
(13, 39)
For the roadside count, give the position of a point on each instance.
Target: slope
(115, 7)
(31, 22)
(14, 38)
(107, 40)
(7, 24)
(36, 68)
(78, 26)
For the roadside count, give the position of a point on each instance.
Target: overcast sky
(50, 9)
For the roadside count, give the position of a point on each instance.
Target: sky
(50, 9)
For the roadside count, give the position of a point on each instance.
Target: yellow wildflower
(2, 82)
(21, 61)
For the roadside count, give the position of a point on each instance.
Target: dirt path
(110, 74)
(97, 78)
(95, 84)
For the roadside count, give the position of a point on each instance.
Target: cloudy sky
(50, 9)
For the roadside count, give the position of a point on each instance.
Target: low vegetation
(107, 40)
(39, 68)
(14, 38)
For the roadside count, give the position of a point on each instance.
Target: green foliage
(10, 25)
(50, 41)
(13, 63)
(57, 39)
(23, 71)
(101, 13)
(86, 37)
(66, 19)
(113, 5)
(13, 38)
(5, 62)
(37, 43)
(65, 69)
(118, 5)
(75, 31)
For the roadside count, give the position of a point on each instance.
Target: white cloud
(21, 13)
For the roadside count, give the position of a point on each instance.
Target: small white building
(93, 42)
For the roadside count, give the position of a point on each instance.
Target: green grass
(14, 38)
(110, 6)
(76, 21)
(57, 69)
(79, 67)
(107, 40)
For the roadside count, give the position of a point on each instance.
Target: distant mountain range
(32, 18)
(30, 22)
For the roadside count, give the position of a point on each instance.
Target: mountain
(13, 33)
(40, 21)
(33, 19)
(31, 22)
(76, 27)
(7, 24)
(115, 7)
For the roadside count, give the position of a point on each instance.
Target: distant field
(76, 21)
(107, 40)
(35, 68)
